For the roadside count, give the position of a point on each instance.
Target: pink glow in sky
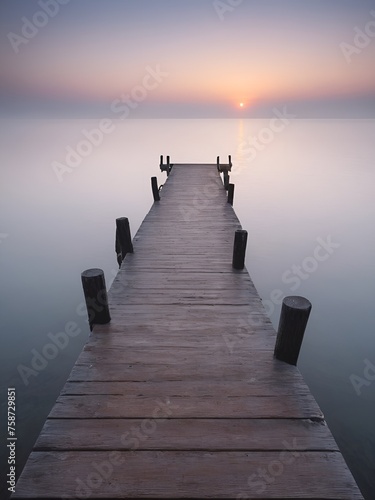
(258, 52)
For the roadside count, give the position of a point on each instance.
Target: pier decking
(180, 395)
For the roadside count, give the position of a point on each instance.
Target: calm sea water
(309, 182)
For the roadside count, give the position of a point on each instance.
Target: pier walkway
(179, 396)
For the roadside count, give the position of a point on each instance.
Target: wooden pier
(180, 396)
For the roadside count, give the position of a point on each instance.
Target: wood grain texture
(184, 434)
(186, 474)
(186, 388)
(180, 395)
(115, 406)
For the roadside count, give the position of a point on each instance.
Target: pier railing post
(94, 289)
(230, 193)
(294, 315)
(161, 162)
(230, 161)
(239, 249)
(218, 163)
(155, 189)
(226, 180)
(168, 166)
(124, 243)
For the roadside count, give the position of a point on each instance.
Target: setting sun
(242, 104)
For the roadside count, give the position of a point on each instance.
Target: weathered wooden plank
(193, 355)
(183, 298)
(256, 322)
(204, 310)
(187, 388)
(262, 369)
(184, 434)
(108, 406)
(205, 313)
(223, 296)
(182, 281)
(169, 265)
(193, 331)
(143, 373)
(173, 474)
(180, 337)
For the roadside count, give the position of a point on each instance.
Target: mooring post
(168, 166)
(218, 163)
(155, 189)
(294, 315)
(230, 193)
(226, 180)
(95, 292)
(124, 243)
(239, 249)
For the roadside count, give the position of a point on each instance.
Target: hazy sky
(203, 57)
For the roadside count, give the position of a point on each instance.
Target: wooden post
(168, 166)
(96, 298)
(231, 193)
(161, 162)
(218, 163)
(155, 189)
(230, 161)
(226, 180)
(294, 315)
(239, 249)
(124, 243)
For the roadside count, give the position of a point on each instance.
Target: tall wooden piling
(226, 179)
(230, 194)
(124, 243)
(295, 313)
(168, 165)
(155, 189)
(239, 249)
(95, 292)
